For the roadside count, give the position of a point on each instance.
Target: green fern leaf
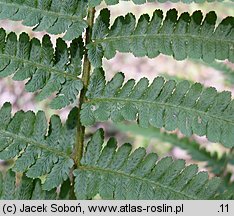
(40, 194)
(186, 36)
(53, 16)
(94, 3)
(213, 161)
(191, 108)
(227, 195)
(47, 70)
(7, 189)
(114, 173)
(226, 188)
(26, 189)
(38, 151)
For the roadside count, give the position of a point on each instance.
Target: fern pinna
(50, 159)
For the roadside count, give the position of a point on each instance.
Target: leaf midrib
(170, 36)
(34, 143)
(49, 69)
(155, 103)
(118, 172)
(51, 13)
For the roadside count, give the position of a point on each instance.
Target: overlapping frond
(38, 150)
(225, 69)
(226, 187)
(214, 162)
(47, 69)
(116, 173)
(94, 3)
(181, 37)
(228, 195)
(191, 108)
(53, 16)
(25, 190)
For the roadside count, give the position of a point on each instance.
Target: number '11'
(224, 208)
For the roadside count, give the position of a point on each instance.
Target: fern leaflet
(213, 161)
(53, 16)
(48, 70)
(191, 108)
(94, 3)
(186, 36)
(38, 151)
(114, 173)
(26, 190)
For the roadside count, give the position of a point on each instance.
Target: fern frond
(116, 173)
(186, 36)
(191, 108)
(93, 3)
(27, 188)
(213, 161)
(227, 183)
(47, 70)
(38, 150)
(53, 16)
(227, 195)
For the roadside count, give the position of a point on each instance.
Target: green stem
(79, 145)
(78, 148)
